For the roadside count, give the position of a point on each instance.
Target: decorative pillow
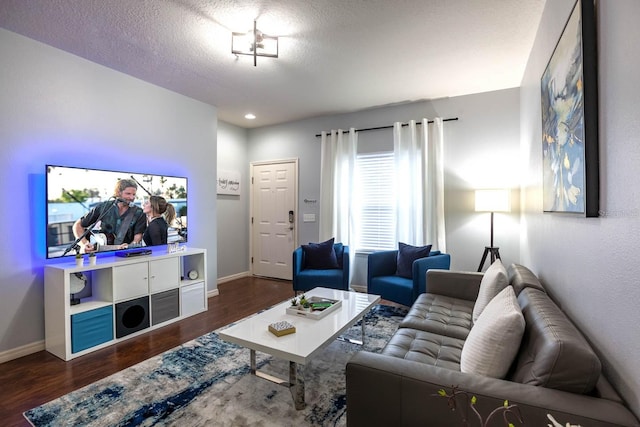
(406, 255)
(320, 256)
(494, 340)
(494, 280)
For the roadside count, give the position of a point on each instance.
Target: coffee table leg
(351, 340)
(252, 359)
(296, 385)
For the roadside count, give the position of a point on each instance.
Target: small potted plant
(294, 302)
(92, 258)
(304, 303)
(79, 259)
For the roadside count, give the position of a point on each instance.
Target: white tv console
(129, 296)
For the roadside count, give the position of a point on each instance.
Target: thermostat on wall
(193, 275)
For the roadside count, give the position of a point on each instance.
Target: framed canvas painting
(570, 118)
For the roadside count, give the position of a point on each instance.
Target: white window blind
(376, 222)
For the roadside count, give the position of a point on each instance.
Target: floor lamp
(492, 201)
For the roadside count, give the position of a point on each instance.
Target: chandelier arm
(255, 44)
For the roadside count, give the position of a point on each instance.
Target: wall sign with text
(229, 182)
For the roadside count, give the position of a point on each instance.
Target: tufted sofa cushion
(425, 347)
(441, 315)
(553, 353)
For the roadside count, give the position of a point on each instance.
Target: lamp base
(495, 254)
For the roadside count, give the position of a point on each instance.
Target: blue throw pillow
(406, 255)
(320, 256)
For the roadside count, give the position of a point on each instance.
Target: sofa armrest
(345, 267)
(298, 260)
(455, 284)
(384, 390)
(422, 265)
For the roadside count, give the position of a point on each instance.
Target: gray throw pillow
(495, 279)
(494, 340)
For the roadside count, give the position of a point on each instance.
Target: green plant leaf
(442, 393)
(473, 400)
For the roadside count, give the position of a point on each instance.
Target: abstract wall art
(570, 118)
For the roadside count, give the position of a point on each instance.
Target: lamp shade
(494, 200)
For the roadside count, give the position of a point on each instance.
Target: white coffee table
(311, 335)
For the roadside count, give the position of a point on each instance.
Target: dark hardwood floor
(40, 377)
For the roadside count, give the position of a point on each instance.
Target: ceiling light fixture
(250, 116)
(254, 43)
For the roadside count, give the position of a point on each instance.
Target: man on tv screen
(116, 223)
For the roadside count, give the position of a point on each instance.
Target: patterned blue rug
(207, 382)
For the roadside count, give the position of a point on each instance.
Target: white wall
(233, 211)
(58, 108)
(481, 150)
(591, 265)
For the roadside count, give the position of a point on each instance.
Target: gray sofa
(556, 376)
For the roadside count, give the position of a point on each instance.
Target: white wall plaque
(229, 182)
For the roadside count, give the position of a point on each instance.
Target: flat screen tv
(71, 192)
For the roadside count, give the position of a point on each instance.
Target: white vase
(92, 260)
(79, 262)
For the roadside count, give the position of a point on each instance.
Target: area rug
(207, 382)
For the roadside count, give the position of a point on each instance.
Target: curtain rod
(391, 127)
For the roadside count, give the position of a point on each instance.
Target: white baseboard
(25, 350)
(215, 292)
(233, 277)
(359, 288)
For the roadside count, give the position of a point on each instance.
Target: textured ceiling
(336, 56)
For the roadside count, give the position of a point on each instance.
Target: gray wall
(233, 211)
(61, 109)
(480, 149)
(591, 265)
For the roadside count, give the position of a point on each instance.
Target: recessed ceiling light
(250, 116)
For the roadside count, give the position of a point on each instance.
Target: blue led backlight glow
(37, 190)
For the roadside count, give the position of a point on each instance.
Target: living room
(57, 105)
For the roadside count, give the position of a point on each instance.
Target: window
(376, 221)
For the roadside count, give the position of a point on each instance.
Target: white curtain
(420, 183)
(337, 163)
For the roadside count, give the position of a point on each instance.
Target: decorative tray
(320, 307)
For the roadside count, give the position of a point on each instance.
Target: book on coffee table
(281, 328)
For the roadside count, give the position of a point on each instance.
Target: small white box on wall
(228, 182)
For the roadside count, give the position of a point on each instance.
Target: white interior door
(273, 218)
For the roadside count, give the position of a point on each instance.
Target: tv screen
(75, 193)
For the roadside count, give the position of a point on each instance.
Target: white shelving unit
(129, 296)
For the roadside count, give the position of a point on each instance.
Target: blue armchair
(307, 279)
(382, 279)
